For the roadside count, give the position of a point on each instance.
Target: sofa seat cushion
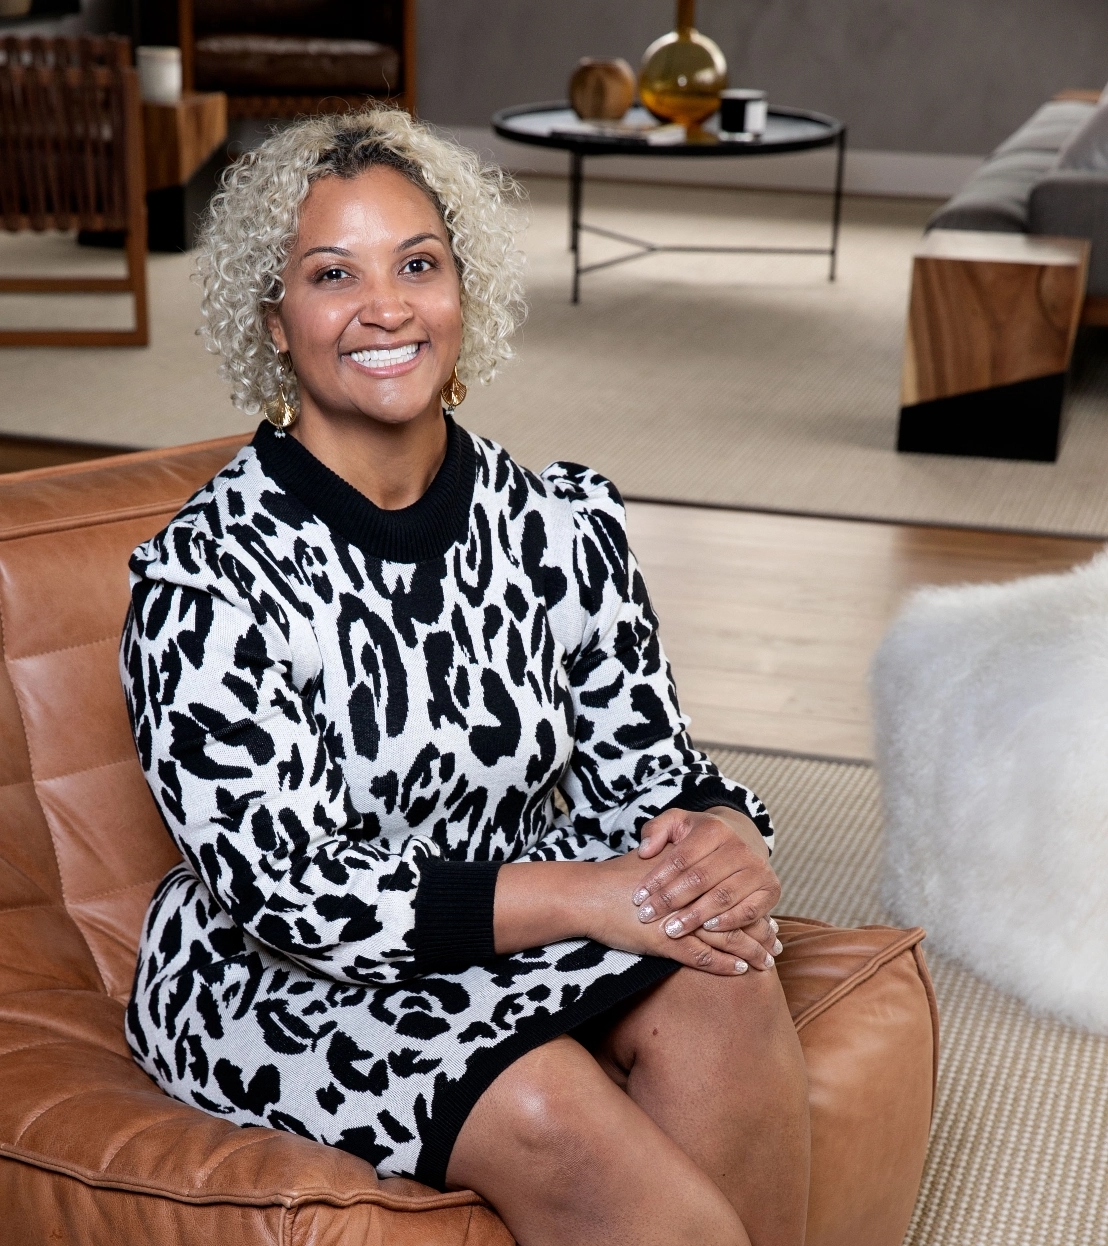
(996, 197)
(276, 64)
(1050, 129)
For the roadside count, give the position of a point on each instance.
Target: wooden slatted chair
(71, 157)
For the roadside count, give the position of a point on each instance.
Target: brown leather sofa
(282, 58)
(91, 1151)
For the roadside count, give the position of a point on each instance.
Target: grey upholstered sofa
(1028, 184)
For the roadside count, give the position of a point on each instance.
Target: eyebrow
(413, 241)
(326, 250)
(416, 239)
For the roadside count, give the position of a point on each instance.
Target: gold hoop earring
(453, 393)
(281, 413)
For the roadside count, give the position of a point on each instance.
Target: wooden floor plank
(771, 621)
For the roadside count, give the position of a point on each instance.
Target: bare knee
(535, 1115)
(754, 1001)
(549, 1116)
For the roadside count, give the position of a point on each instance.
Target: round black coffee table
(557, 125)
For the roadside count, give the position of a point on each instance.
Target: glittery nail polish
(640, 896)
(712, 923)
(773, 926)
(777, 948)
(741, 966)
(674, 927)
(770, 962)
(646, 912)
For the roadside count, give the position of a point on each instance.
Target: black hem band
(416, 533)
(454, 915)
(454, 1101)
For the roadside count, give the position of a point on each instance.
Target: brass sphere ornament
(683, 73)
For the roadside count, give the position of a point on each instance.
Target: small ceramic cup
(159, 74)
(742, 113)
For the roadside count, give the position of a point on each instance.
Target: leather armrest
(89, 1144)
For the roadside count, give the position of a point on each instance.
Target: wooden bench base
(991, 325)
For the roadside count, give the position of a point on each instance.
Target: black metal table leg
(576, 177)
(837, 206)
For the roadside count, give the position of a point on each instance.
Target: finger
(697, 953)
(666, 828)
(733, 921)
(732, 878)
(761, 931)
(737, 943)
(689, 846)
(705, 915)
(675, 880)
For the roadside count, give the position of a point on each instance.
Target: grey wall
(951, 76)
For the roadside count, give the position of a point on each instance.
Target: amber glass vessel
(683, 72)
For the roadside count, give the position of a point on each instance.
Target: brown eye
(333, 274)
(417, 266)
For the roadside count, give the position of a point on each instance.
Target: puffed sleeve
(632, 755)
(221, 674)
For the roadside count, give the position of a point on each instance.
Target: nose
(384, 309)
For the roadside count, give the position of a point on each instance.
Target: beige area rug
(1019, 1145)
(737, 380)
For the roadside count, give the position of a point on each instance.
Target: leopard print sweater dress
(349, 718)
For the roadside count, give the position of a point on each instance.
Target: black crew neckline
(416, 533)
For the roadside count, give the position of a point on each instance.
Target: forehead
(377, 204)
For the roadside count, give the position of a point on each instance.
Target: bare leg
(568, 1159)
(716, 1063)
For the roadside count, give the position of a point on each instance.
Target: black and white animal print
(348, 717)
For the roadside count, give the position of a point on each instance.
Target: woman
(404, 709)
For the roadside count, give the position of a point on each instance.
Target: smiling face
(371, 316)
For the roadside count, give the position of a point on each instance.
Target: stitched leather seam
(94, 519)
(243, 1198)
(115, 891)
(909, 939)
(43, 653)
(71, 774)
(209, 1173)
(52, 1042)
(25, 908)
(31, 766)
(53, 846)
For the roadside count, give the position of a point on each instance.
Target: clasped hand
(707, 901)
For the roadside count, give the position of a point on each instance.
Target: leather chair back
(81, 843)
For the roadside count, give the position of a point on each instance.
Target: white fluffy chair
(991, 723)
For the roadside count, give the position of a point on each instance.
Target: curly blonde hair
(252, 224)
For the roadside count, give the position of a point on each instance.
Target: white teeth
(376, 358)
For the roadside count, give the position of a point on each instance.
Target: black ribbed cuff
(702, 792)
(454, 914)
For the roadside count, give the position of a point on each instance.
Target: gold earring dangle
(453, 393)
(281, 413)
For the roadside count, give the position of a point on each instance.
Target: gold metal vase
(682, 73)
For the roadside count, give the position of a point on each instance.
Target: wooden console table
(180, 139)
(991, 325)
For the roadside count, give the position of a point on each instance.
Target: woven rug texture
(747, 381)
(1019, 1144)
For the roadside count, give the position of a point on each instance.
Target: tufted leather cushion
(279, 63)
(91, 1151)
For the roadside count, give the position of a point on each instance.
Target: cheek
(442, 314)
(314, 323)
